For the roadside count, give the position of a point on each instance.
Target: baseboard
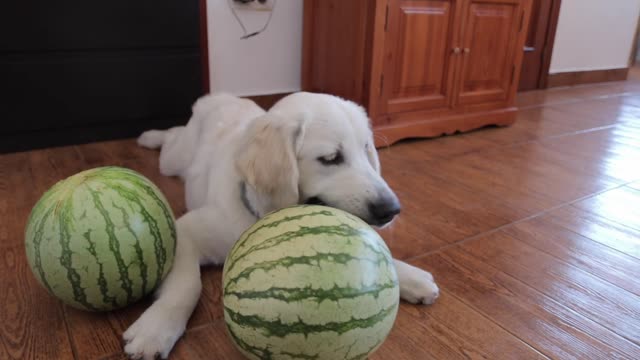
(267, 101)
(586, 77)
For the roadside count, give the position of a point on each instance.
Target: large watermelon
(309, 282)
(101, 239)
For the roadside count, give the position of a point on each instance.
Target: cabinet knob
(456, 50)
(467, 50)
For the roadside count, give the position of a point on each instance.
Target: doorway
(539, 44)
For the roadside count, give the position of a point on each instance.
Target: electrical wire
(244, 29)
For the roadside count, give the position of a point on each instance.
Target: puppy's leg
(182, 142)
(152, 139)
(160, 326)
(416, 285)
(203, 237)
(178, 147)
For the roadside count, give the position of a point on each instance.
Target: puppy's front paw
(419, 288)
(152, 139)
(154, 333)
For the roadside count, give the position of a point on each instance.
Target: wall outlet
(253, 5)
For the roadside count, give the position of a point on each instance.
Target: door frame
(543, 77)
(634, 50)
(204, 46)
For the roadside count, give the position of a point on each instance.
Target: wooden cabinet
(420, 67)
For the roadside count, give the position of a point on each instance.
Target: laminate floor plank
(545, 324)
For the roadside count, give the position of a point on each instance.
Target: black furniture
(74, 71)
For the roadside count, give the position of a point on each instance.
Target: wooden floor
(532, 232)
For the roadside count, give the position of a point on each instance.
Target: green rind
(160, 251)
(343, 230)
(314, 294)
(273, 305)
(36, 259)
(265, 223)
(138, 249)
(63, 213)
(280, 329)
(152, 191)
(102, 281)
(114, 246)
(288, 261)
(89, 245)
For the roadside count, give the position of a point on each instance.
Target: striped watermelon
(309, 282)
(101, 239)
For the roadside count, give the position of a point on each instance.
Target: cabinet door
(417, 72)
(491, 32)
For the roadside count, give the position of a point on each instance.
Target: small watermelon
(101, 239)
(309, 282)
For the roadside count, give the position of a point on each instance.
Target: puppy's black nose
(383, 211)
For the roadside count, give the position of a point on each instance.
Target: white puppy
(239, 163)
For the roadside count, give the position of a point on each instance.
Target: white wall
(594, 35)
(591, 35)
(268, 63)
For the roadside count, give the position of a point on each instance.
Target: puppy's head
(314, 148)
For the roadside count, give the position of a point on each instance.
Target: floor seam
(560, 304)
(561, 260)
(499, 228)
(74, 352)
(537, 140)
(484, 316)
(594, 240)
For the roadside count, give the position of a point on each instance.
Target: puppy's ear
(359, 114)
(268, 158)
(372, 156)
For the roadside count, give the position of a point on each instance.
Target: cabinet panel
(417, 72)
(488, 57)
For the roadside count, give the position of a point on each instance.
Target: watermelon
(101, 239)
(309, 282)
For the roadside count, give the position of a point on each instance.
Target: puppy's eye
(334, 159)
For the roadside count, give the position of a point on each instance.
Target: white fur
(229, 141)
